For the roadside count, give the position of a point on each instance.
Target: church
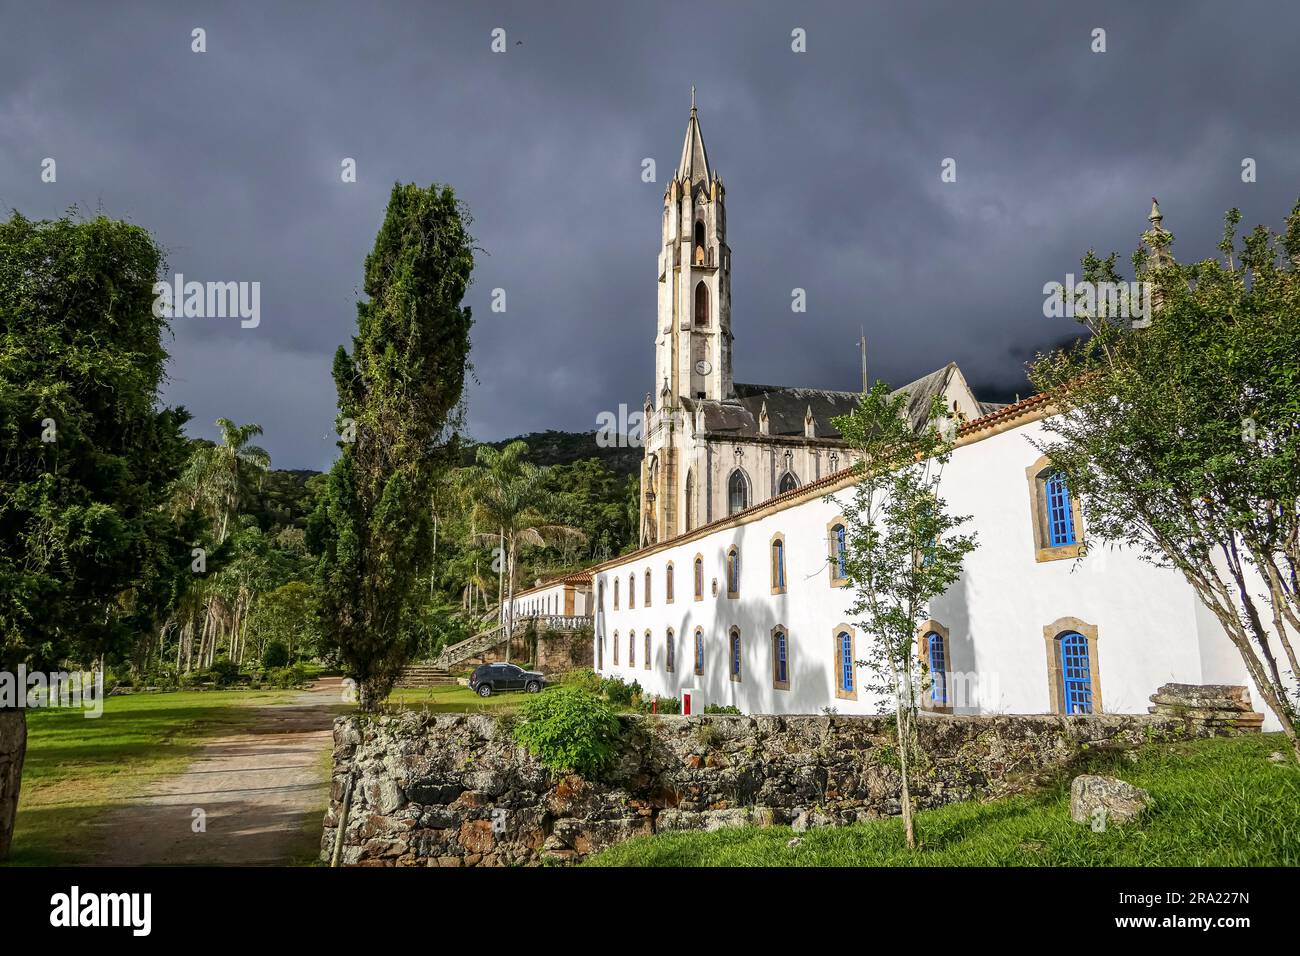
(737, 594)
(714, 446)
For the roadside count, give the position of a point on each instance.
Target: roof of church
(787, 407)
(694, 165)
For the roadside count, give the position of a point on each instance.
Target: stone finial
(809, 424)
(762, 419)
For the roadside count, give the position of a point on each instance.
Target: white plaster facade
(569, 596)
(1150, 627)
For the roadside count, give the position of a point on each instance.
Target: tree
(1182, 438)
(283, 617)
(398, 390)
(87, 553)
(902, 550)
(504, 492)
(219, 473)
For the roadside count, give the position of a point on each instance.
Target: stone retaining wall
(455, 789)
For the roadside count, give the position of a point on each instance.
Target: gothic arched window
(788, 483)
(737, 492)
(701, 304)
(699, 253)
(645, 601)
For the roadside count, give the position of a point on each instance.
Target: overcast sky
(831, 158)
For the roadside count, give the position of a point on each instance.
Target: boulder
(1122, 802)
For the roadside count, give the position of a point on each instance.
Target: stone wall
(455, 789)
(557, 652)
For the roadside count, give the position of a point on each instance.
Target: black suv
(487, 679)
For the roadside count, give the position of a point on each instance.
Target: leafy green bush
(161, 675)
(661, 705)
(275, 655)
(721, 709)
(618, 691)
(287, 677)
(224, 673)
(589, 681)
(569, 730)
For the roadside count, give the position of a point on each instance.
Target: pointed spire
(1158, 237)
(694, 165)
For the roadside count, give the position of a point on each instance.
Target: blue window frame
(938, 671)
(782, 674)
(735, 655)
(1060, 513)
(1076, 673)
(699, 651)
(841, 549)
(846, 662)
(778, 561)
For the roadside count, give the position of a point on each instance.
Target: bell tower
(693, 345)
(693, 331)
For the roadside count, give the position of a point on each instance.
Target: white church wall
(1149, 630)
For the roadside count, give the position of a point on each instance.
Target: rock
(1122, 802)
(1277, 757)
(794, 843)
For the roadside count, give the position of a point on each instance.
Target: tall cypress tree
(399, 390)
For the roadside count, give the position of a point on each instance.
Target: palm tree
(505, 492)
(213, 484)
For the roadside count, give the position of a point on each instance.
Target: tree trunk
(13, 749)
(510, 597)
(902, 761)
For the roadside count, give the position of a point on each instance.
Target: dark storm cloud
(831, 160)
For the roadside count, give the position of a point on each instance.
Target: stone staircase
(471, 647)
(425, 675)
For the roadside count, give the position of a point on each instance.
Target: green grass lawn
(1215, 803)
(77, 767)
(455, 699)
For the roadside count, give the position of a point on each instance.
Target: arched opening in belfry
(701, 304)
(698, 245)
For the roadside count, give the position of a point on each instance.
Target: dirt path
(261, 792)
